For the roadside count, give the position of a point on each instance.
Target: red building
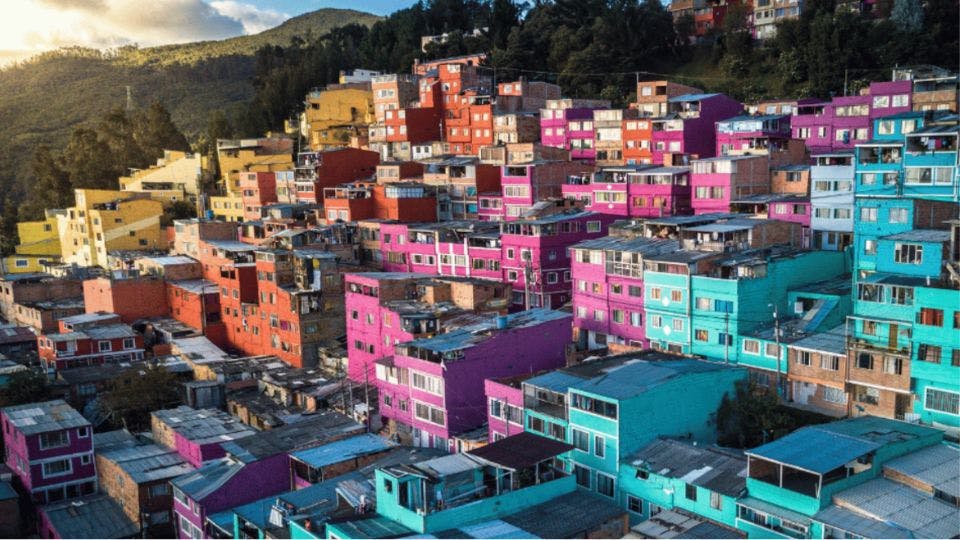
(258, 190)
(196, 303)
(88, 340)
(131, 298)
(331, 168)
(400, 201)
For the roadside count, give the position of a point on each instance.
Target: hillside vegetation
(42, 100)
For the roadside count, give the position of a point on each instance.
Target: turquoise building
(803, 485)
(611, 407)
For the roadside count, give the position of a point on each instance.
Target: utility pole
(527, 276)
(845, 71)
(726, 337)
(129, 98)
(776, 338)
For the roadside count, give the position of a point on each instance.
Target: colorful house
(831, 201)
(39, 244)
(568, 124)
(49, 449)
(88, 340)
(197, 435)
(688, 127)
(102, 221)
(525, 184)
(433, 387)
(335, 114)
(608, 289)
(715, 182)
(633, 191)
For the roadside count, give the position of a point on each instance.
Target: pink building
(535, 255)
(689, 127)
(715, 182)
(431, 248)
(633, 191)
(568, 123)
(386, 308)
(433, 388)
(490, 207)
(842, 123)
(49, 448)
(504, 406)
(526, 184)
(608, 289)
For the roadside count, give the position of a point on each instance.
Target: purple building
(432, 389)
(49, 448)
(753, 134)
(689, 127)
(633, 191)
(254, 467)
(608, 289)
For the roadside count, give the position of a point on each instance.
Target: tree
(133, 395)
(154, 131)
(25, 386)
(754, 416)
(907, 15)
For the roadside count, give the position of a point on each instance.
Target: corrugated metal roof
(815, 449)
(375, 527)
(937, 466)
(496, 528)
(858, 524)
(312, 430)
(633, 245)
(832, 341)
(711, 468)
(342, 450)
(920, 235)
(638, 376)
(34, 418)
(207, 479)
(567, 516)
(97, 516)
(555, 381)
(903, 507)
(691, 97)
(147, 463)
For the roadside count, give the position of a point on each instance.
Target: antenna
(129, 97)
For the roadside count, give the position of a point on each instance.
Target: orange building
(407, 202)
(196, 303)
(637, 140)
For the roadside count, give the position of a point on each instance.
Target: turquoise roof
(634, 378)
(342, 450)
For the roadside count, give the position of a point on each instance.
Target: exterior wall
(506, 394)
(25, 458)
(131, 299)
(104, 221)
(736, 177)
(667, 492)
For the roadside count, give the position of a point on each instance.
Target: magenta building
(49, 448)
(535, 255)
(689, 127)
(525, 184)
(568, 124)
(715, 182)
(434, 387)
(608, 289)
(844, 122)
(633, 191)
(198, 435)
(490, 207)
(505, 405)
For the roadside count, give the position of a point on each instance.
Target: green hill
(43, 99)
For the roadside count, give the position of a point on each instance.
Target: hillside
(43, 99)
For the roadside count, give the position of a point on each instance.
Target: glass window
(942, 401)
(605, 484)
(581, 439)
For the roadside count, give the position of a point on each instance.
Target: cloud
(254, 19)
(47, 24)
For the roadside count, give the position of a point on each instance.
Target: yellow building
(175, 177)
(266, 154)
(39, 244)
(334, 115)
(105, 220)
(228, 207)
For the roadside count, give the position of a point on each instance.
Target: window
(803, 358)
(676, 296)
(595, 406)
(656, 321)
(942, 401)
(427, 383)
(634, 504)
(57, 468)
(908, 253)
(55, 439)
(690, 492)
(598, 315)
(159, 490)
(83, 432)
(892, 365)
(704, 303)
(104, 346)
(655, 293)
(751, 347)
(930, 317)
(831, 363)
(605, 484)
(428, 414)
(864, 361)
(86, 459)
(899, 215)
(581, 440)
(678, 325)
(928, 353)
(599, 446)
(593, 226)
(869, 247)
(715, 501)
(618, 316)
(583, 476)
(868, 214)
(771, 350)
(834, 395)
(636, 319)
(701, 335)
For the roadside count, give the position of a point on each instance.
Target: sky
(31, 26)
